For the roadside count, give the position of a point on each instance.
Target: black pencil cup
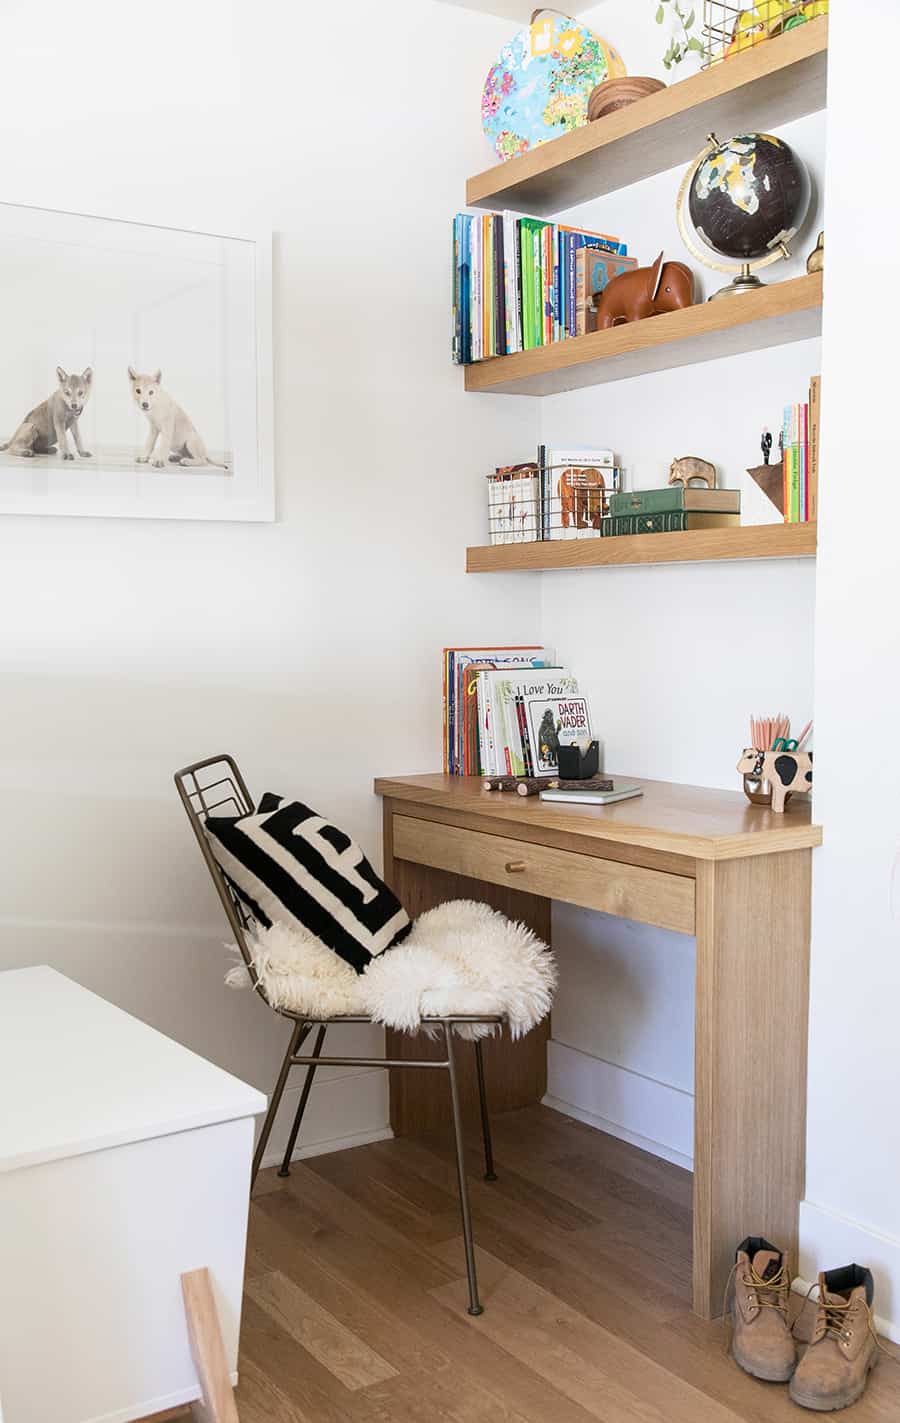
(574, 764)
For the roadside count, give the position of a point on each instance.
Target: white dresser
(124, 1163)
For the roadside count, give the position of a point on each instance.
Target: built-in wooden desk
(700, 862)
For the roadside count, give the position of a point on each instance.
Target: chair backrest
(216, 784)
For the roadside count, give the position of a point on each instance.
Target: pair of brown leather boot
(842, 1349)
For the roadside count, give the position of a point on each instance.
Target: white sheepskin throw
(462, 957)
(301, 973)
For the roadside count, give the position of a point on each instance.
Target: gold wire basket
(730, 28)
(531, 502)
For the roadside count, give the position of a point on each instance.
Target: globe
(748, 196)
(746, 199)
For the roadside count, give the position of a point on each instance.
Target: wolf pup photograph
(45, 428)
(179, 442)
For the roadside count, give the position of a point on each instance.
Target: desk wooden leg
(516, 1073)
(753, 926)
(217, 1404)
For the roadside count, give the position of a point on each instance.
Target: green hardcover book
(676, 521)
(676, 499)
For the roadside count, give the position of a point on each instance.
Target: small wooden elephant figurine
(644, 291)
(689, 467)
(787, 772)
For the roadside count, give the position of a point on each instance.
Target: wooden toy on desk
(775, 767)
(682, 471)
(645, 291)
(786, 772)
(532, 785)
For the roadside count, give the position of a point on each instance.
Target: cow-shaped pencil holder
(772, 777)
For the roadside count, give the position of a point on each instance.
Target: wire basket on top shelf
(532, 502)
(730, 28)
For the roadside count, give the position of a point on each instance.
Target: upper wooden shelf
(775, 315)
(699, 546)
(769, 85)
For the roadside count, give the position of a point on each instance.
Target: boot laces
(778, 1286)
(770, 1292)
(835, 1314)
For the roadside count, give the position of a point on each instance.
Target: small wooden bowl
(615, 94)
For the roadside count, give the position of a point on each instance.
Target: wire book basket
(531, 502)
(731, 28)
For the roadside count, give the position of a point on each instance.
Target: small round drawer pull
(515, 867)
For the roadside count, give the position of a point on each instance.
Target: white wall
(310, 647)
(852, 1208)
(674, 659)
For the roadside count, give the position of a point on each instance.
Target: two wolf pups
(172, 435)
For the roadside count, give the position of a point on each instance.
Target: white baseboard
(327, 1144)
(828, 1240)
(652, 1115)
(154, 1405)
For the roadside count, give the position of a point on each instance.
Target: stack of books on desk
(672, 510)
(506, 710)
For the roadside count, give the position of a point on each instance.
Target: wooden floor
(355, 1295)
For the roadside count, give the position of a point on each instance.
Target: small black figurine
(766, 445)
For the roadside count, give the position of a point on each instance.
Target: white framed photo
(135, 369)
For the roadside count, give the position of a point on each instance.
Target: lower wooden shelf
(775, 315)
(697, 546)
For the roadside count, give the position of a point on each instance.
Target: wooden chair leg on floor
(217, 1403)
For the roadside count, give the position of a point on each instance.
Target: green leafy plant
(681, 45)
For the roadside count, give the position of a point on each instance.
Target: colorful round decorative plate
(541, 82)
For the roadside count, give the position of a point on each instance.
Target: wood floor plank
(259, 1399)
(314, 1393)
(421, 1398)
(394, 1285)
(662, 1266)
(584, 1262)
(611, 1379)
(341, 1351)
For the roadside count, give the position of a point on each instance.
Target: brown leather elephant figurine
(645, 291)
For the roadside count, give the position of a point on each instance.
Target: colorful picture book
(594, 270)
(514, 504)
(577, 487)
(515, 282)
(800, 457)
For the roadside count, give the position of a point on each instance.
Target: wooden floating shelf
(772, 316)
(697, 546)
(769, 85)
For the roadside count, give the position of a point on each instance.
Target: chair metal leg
(475, 1306)
(489, 1172)
(285, 1167)
(298, 1035)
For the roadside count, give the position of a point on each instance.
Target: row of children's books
(506, 711)
(800, 457)
(520, 282)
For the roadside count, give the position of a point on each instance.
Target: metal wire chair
(216, 785)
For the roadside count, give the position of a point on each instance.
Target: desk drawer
(626, 890)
